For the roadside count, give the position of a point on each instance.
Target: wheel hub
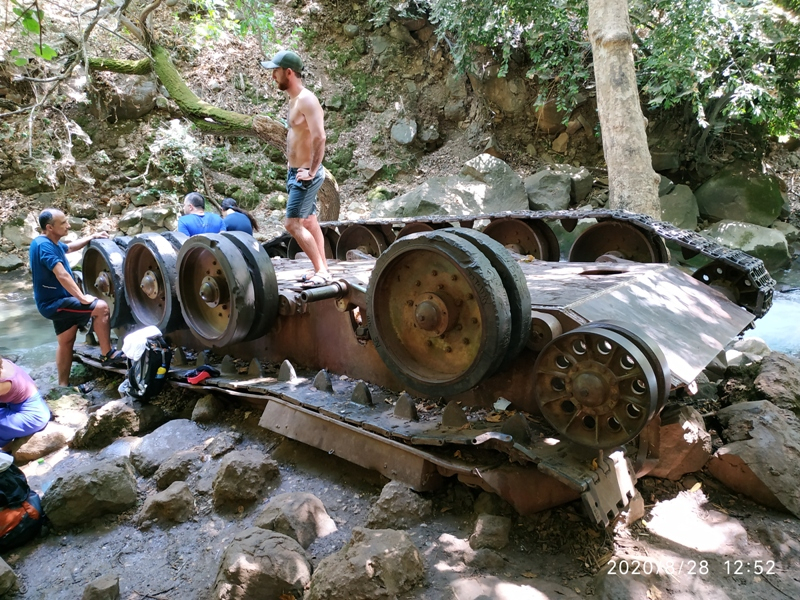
(431, 314)
(149, 284)
(211, 291)
(594, 389)
(103, 283)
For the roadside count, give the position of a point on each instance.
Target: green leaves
(30, 18)
(44, 51)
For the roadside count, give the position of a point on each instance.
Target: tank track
(751, 269)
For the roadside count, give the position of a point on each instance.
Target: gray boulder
(8, 579)
(91, 490)
(398, 507)
(113, 420)
(262, 564)
(779, 380)
(491, 531)
(375, 564)
(740, 193)
(759, 459)
(548, 190)
(105, 587)
(241, 477)
(174, 505)
(21, 229)
(404, 131)
(53, 437)
(206, 409)
(156, 447)
(762, 242)
(299, 515)
(10, 262)
(126, 97)
(177, 468)
(679, 207)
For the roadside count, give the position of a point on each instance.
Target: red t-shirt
(22, 386)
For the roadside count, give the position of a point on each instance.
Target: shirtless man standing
(305, 147)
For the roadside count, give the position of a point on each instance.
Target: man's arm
(81, 242)
(69, 284)
(312, 111)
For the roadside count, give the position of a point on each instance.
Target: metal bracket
(611, 488)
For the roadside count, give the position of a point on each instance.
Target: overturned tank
(457, 352)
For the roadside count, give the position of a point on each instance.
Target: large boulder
(262, 564)
(779, 380)
(684, 443)
(91, 490)
(174, 505)
(241, 478)
(398, 507)
(679, 207)
(762, 242)
(741, 193)
(299, 515)
(113, 420)
(759, 459)
(158, 446)
(485, 184)
(548, 190)
(375, 564)
(21, 229)
(125, 97)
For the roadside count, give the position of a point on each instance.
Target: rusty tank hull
(564, 366)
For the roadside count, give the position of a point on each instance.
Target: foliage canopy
(731, 61)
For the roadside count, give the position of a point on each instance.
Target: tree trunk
(632, 183)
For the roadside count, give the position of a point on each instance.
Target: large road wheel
(150, 271)
(595, 387)
(102, 266)
(264, 281)
(620, 239)
(519, 296)
(368, 239)
(217, 295)
(438, 313)
(519, 236)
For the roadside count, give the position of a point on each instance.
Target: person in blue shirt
(60, 299)
(195, 220)
(237, 219)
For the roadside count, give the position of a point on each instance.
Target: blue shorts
(25, 418)
(302, 194)
(71, 312)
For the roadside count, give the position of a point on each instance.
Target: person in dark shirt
(237, 219)
(195, 220)
(60, 299)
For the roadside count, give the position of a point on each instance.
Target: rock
(174, 505)
(665, 186)
(741, 193)
(83, 210)
(206, 409)
(398, 507)
(369, 168)
(113, 420)
(665, 160)
(91, 490)
(679, 207)
(491, 504)
(129, 221)
(684, 444)
(508, 93)
(581, 181)
(561, 142)
(751, 345)
(376, 564)
(105, 587)
(299, 515)
(125, 97)
(486, 184)
(21, 230)
(241, 477)
(223, 443)
(759, 458)
(8, 579)
(262, 564)
(767, 244)
(549, 119)
(484, 559)
(351, 30)
(491, 531)
(404, 131)
(156, 447)
(177, 468)
(10, 262)
(548, 190)
(779, 380)
(53, 437)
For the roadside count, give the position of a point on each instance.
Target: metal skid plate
(611, 488)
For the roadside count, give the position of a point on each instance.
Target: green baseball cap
(285, 59)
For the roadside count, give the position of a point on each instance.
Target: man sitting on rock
(60, 299)
(195, 220)
(22, 410)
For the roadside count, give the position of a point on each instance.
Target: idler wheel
(519, 236)
(619, 239)
(217, 295)
(732, 283)
(438, 313)
(595, 387)
(264, 281)
(514, 284)
(103, 262)
(369, 239)
(150, 273)
(330, 238)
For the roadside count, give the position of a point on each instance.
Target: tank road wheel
(732, 283)
(420, 227)
(519, 236)
(595, 387)
(330, 238)
(438, 313)
(150, 271)
(103, 278)
(218, 298)
(369, 239)
(265, 283)
(519, 296)
(619, 239)
(552, 250)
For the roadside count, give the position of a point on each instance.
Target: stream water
(23, 331)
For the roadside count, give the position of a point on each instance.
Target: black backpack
(20, 510)
(148, 375)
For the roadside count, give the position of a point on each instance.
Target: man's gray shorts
(302, 194)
